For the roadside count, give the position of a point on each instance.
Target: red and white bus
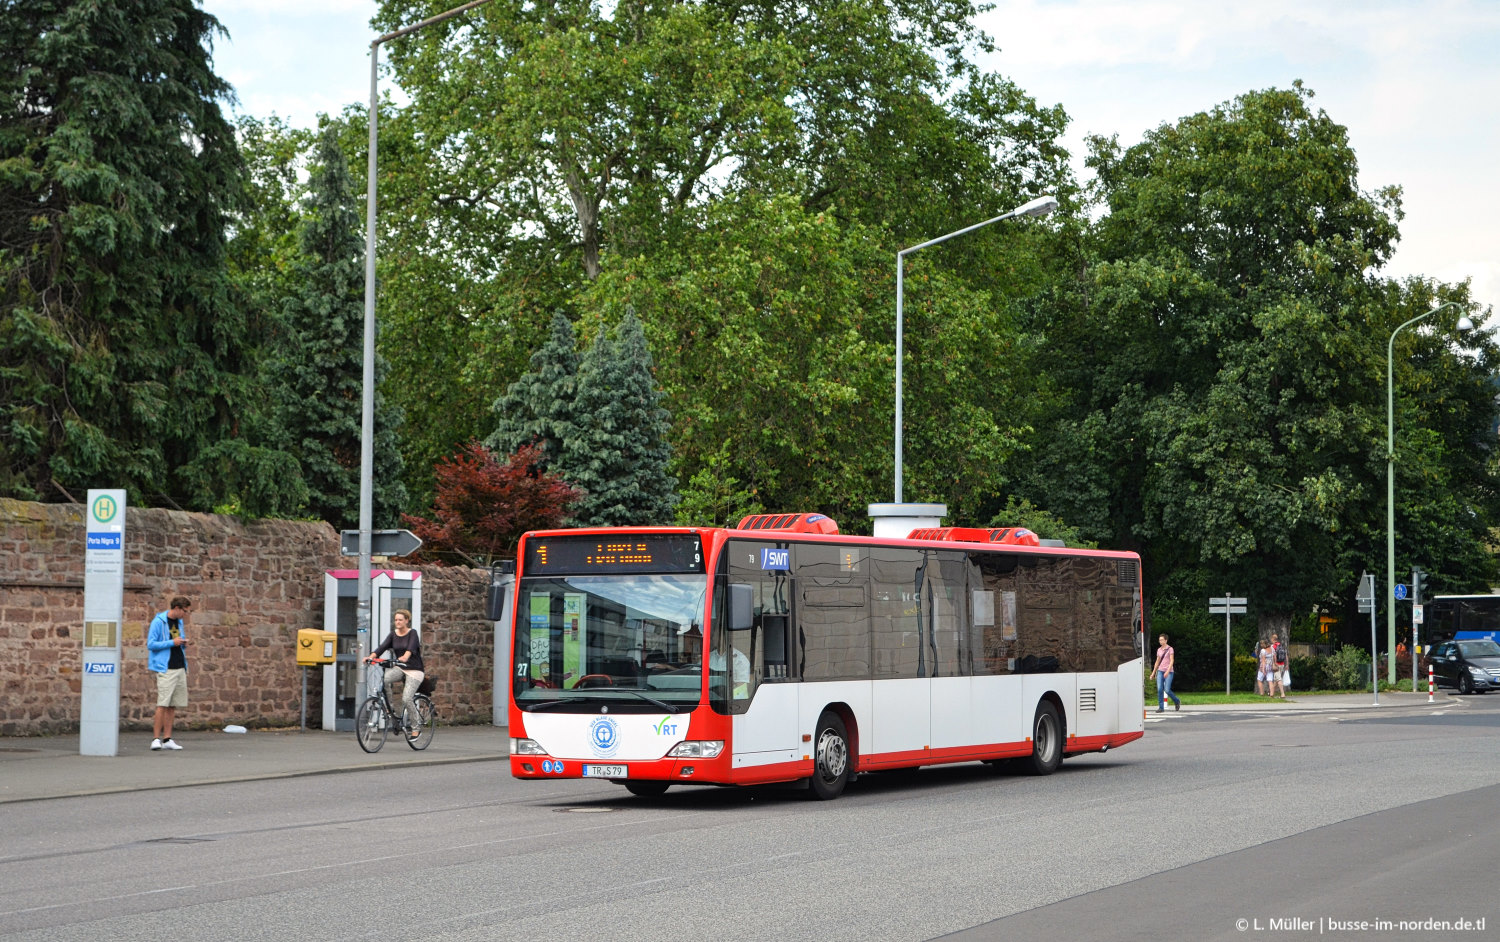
(781, 651)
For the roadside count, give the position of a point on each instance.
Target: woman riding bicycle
(405, 647)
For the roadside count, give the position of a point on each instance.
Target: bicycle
(376, 719)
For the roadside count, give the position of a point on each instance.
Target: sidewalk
(1318, 703)
(50, 766)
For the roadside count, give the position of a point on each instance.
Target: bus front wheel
(1046, 741)
(646, 788)
(831, 759)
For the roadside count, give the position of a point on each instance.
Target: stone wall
(253, 585)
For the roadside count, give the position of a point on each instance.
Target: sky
(1416, 82)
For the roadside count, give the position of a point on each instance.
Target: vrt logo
(666, 727)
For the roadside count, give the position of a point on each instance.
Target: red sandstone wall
(253, 585)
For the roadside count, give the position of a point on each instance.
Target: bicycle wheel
(370, 725)
(420, 737)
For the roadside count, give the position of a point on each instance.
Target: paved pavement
(50, 767)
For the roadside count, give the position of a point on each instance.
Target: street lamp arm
(427, 22)
(944, 238)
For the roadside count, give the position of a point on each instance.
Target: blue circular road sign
(1400, 591)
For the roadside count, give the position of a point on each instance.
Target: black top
(176, 659)
(399, 646)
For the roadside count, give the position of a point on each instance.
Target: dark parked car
(1467, 665)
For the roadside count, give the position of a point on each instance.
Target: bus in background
(782, 651)
(1461, 618)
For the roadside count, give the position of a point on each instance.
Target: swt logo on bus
(776, 559)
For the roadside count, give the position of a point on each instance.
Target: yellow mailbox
(315, 646)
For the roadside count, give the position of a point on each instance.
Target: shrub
(1346, 668)
(1307, 673)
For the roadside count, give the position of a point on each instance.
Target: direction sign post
(1416, 621)
(1228, 605)
(1366, 596)
(382, 543)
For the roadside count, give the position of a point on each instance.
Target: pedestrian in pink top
(1166, 666)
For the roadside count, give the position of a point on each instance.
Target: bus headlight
(697, 749)
(526, 747)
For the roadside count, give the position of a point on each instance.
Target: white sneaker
(170, 744)
(155, 744)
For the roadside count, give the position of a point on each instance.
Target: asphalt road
(1208, 820)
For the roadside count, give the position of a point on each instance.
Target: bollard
(1429, 684)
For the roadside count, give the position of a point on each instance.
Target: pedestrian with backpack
(1278, 666)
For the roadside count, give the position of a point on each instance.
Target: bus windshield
(632, 638)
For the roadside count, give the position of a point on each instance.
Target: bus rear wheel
(1046, 741)
(831, 759)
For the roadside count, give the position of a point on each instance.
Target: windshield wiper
(651, 700)
(545, 705)
(549, 704)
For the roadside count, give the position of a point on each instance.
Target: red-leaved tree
(482, 506)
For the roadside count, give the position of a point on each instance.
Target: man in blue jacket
(166, 656)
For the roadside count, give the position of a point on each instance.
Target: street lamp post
(367, 421)
(1390, 483)
(1040, 206)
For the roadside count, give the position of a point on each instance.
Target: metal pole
(367, 418)
(900, 257)
(1226, 642)
(367, 399)
(1037, 207)
(1416, 600)
(1374, 660)
(1390, 486)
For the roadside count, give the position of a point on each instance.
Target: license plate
(605, 771)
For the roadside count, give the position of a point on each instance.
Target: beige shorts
(171, 688)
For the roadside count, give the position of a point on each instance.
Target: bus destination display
(632, 553)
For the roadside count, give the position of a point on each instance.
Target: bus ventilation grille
(789, 523)
(1126, 569)
(951, 534)
(1018, 536)
(1088, 700)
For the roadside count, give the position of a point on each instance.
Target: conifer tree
(617, 451)
(317, 373)
(538, 407)
(121, 346)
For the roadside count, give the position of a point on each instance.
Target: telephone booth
(391, 590)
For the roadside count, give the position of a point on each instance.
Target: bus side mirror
(494, 600)
(741, 607)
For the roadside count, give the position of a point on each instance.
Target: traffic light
(1416, 586)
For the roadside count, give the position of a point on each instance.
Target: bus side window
(776, 642)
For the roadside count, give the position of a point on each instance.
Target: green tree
(551, 144)
(538, 408)
(317, 372)
(616, 450)
(121, 343)
(1223, 359)
(775, 333)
